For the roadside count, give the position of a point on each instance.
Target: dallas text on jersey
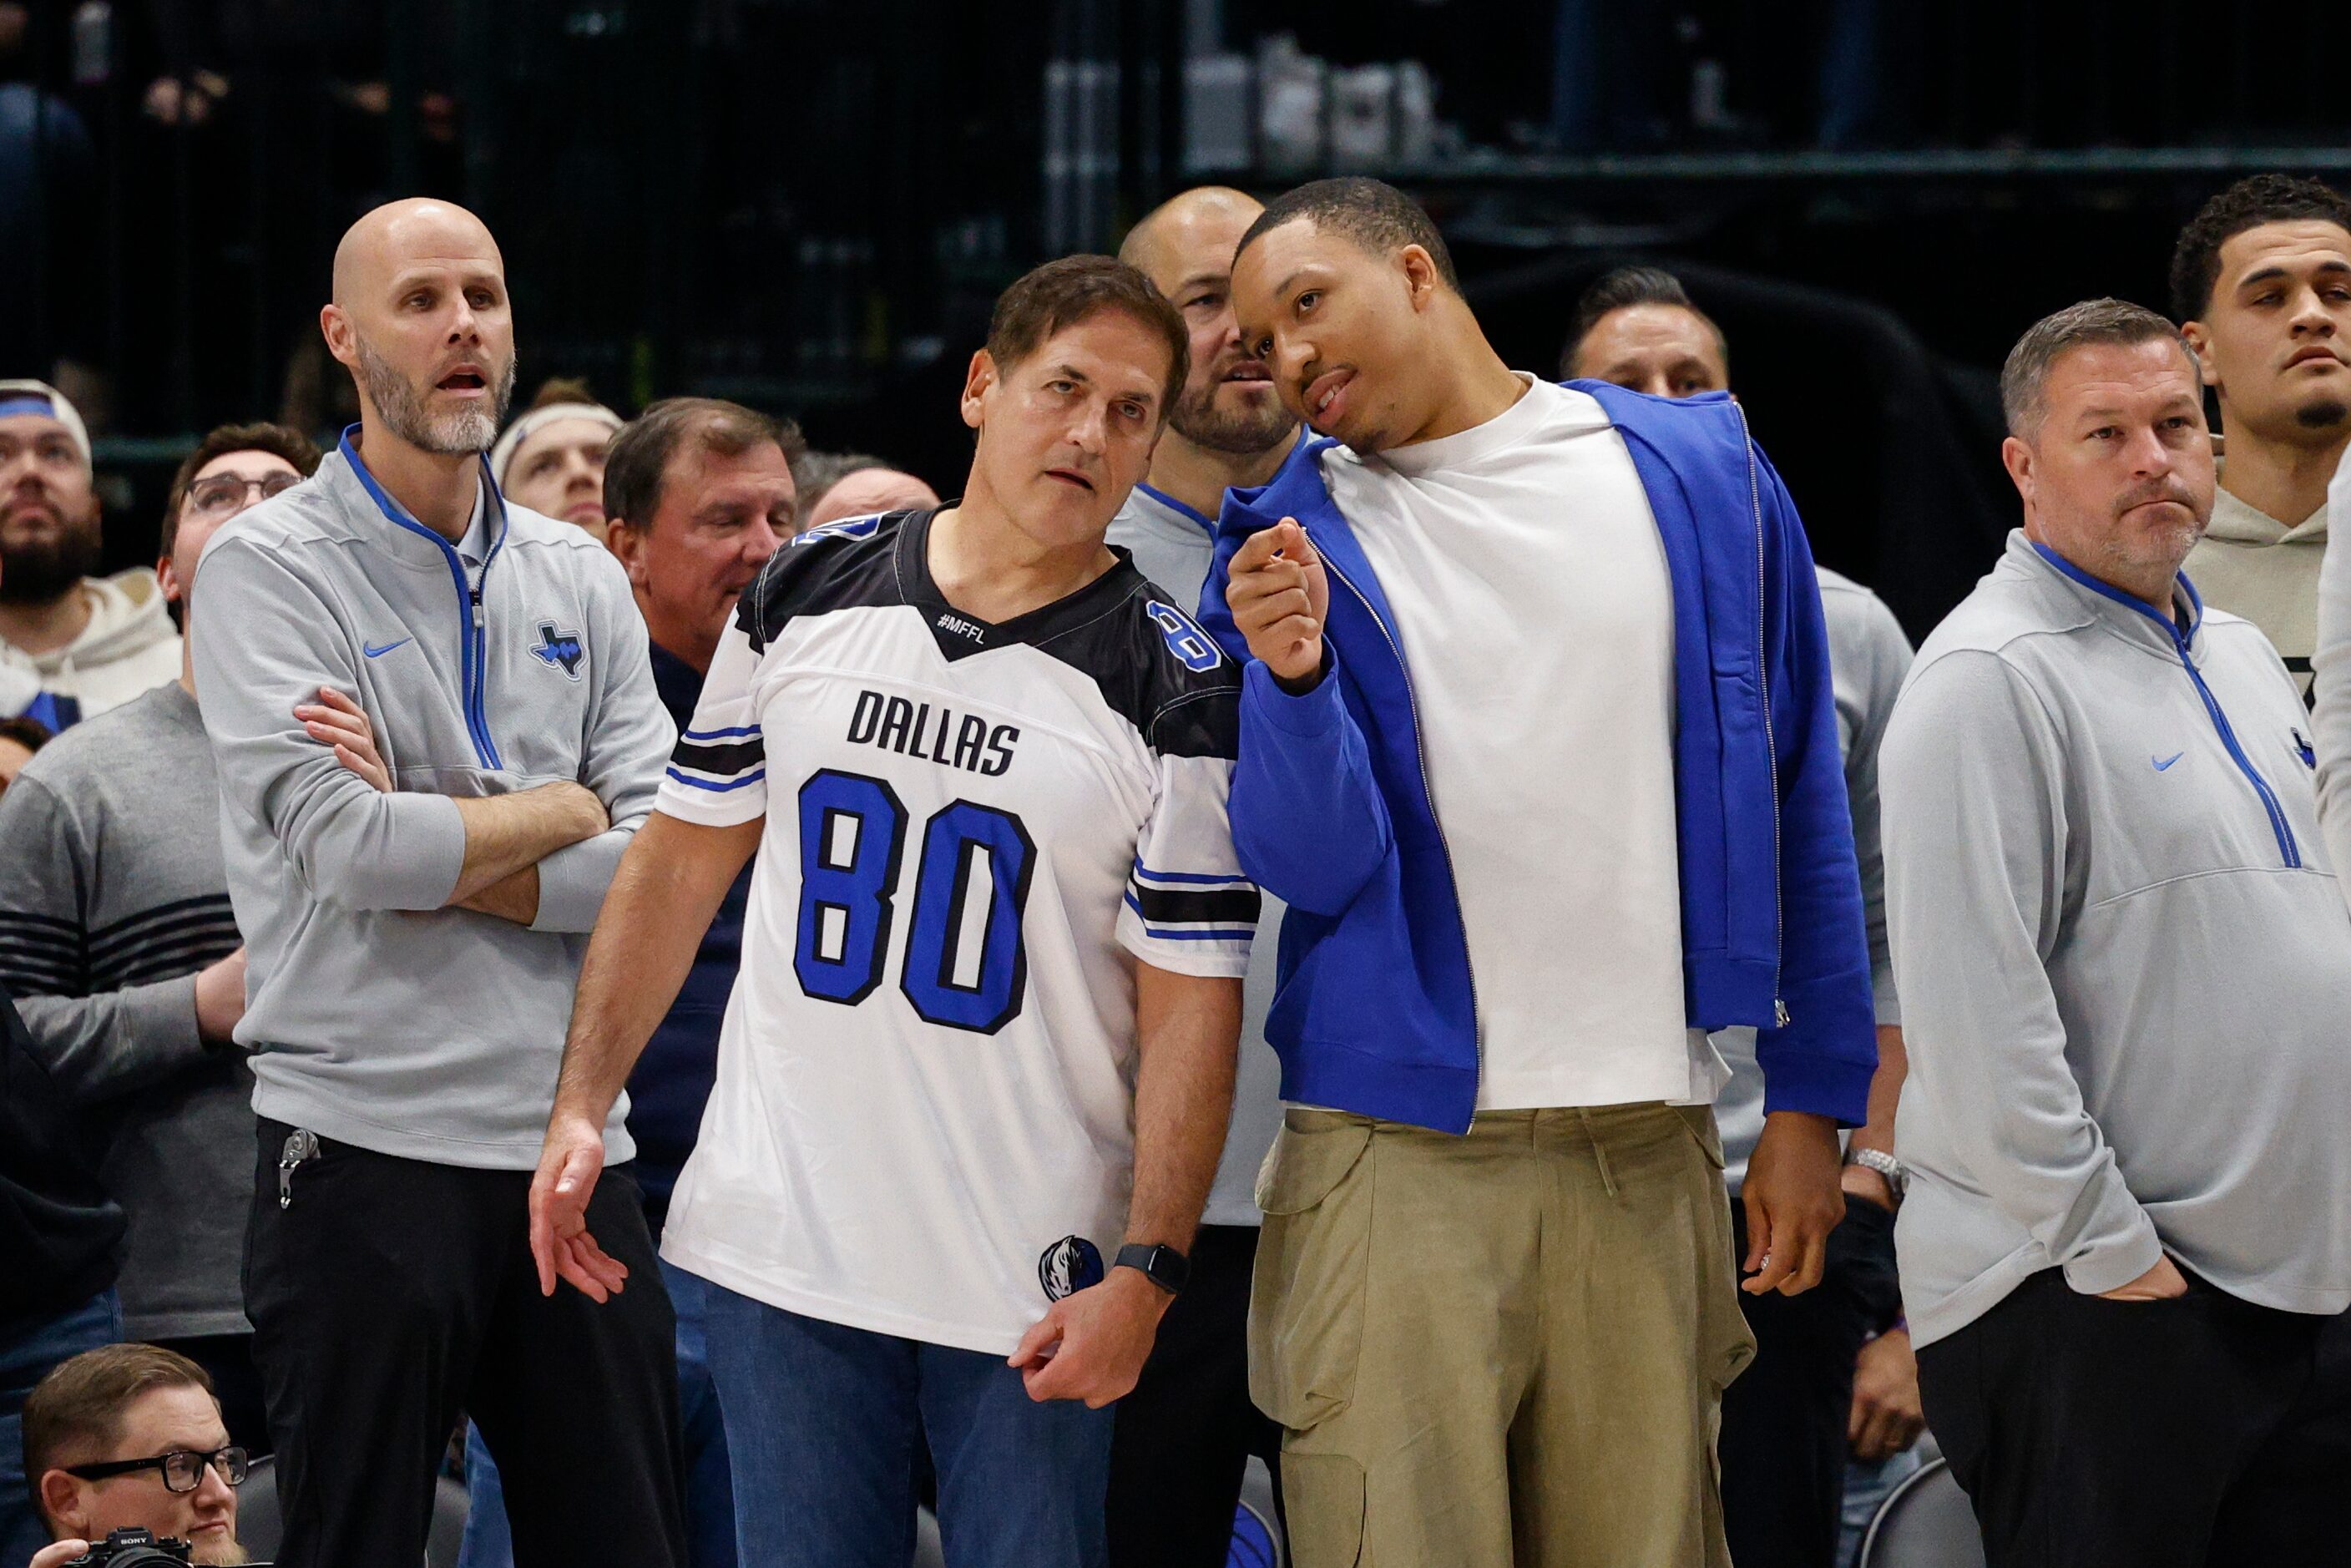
(907, 727)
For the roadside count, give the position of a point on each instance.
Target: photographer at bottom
(130, 1436)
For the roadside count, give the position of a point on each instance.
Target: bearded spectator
(91, 642)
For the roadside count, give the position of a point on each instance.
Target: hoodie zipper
(1420, 756)
(473, 641)
(1771, 740)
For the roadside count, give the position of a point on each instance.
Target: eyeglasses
(226, 492)
(183, 1469)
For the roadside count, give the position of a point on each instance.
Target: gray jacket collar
(2176, 635)
(387, 525)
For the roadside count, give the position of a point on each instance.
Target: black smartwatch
(1163, 1266)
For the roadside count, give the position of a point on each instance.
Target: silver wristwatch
(1885, 1164)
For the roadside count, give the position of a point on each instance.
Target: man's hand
(337, 721)
(220, 999)
(58, 1552)
(1279, 595)
(1091, 1343)
(569, 1164)
(2160, 1283)
(1886, 1414)
(1794, 1201)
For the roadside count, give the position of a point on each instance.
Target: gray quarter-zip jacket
(378, 1018)
(2124, 963)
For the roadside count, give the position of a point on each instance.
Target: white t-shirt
(925, 1092)
(1531, 594)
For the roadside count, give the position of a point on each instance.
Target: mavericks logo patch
(1067, 1266)
(560, 650)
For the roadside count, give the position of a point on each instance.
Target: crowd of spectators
(2027, 1153)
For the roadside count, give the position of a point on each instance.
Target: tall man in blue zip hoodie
(436, 728)
(1538, 692)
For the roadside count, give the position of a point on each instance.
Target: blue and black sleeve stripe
(1185, 908)
(719, 759)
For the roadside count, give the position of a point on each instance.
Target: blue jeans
(709, 1483)
(825, 1422)
(1866, 1488)
(26, 1358)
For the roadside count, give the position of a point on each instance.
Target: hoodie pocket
(1306, 1311)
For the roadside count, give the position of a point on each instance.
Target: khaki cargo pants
(1504, 1348)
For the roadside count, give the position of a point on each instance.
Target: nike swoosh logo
(2163, 762)
(375, 652)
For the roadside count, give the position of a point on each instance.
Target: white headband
(510, 441)
(23, 393)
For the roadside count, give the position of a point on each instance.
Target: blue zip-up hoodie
(1375, 1011)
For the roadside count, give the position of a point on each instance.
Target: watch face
(1161, 1265)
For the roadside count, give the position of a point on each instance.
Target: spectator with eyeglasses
(118, 942)
(130, 1436)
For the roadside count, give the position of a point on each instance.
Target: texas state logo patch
(558, 650)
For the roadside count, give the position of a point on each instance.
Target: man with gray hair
(2124, 966)
(436, 728)
(834, 485)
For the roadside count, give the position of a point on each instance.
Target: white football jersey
(925, 1105)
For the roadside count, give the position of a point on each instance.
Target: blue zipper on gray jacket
(473, 641)
(2180, 640)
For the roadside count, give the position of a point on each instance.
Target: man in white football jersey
(985, 1026)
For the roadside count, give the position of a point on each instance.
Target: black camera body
(135, 1548)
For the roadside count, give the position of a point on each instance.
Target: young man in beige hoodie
(91, 642)
(2261, 283)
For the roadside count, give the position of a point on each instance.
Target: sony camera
(135, 1548)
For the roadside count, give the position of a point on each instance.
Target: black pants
(392, 1294)
(1184, 1435)
(2194, 1433)
(1783, 1444)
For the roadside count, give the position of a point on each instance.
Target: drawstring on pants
(1599, 1151)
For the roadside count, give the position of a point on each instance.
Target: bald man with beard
(436, 729)
(1185, 1434)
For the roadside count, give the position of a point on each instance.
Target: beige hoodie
(129, 646)
(2250, 564)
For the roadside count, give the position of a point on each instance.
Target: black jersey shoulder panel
(847, 565)
(1157, 669)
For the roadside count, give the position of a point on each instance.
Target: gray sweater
(111, 898)
(2331, 693)
(377, 1017)
(2126, 964)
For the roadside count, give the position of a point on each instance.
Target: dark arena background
(1508, 938)
(808, 205)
